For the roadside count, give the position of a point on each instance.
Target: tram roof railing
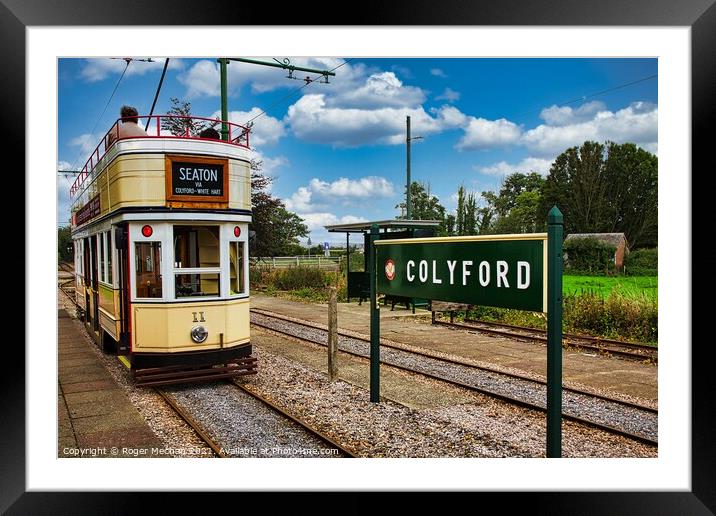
(238, 135)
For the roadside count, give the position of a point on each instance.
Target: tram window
(110, 252)
(196, 247)
(102, 262)
(148, 266)
(197, 285)
(236, 268)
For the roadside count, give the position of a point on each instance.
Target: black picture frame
(700, 15)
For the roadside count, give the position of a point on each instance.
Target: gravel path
(601, 411)
(244, 426)
(486, 427)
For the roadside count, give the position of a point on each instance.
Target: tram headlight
(199, 334)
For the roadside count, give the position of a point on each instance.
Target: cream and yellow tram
(160, 228)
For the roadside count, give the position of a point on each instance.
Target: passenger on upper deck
(210, 132)
(129, 127)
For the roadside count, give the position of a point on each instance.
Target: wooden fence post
(332, 334)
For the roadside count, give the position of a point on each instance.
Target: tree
(470, 216)
(65, 247)
(180, 125)
(277, 229)
(460, 216)
(605, 188)
(424, 205)
(450, 224)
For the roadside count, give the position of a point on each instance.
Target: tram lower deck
(161, 257)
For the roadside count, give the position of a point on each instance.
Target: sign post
(374, 318)
(522, 272)
(555, 228)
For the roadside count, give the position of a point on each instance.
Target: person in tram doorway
(129, 127)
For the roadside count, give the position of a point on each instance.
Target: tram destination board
(196, 179)
(506, 271)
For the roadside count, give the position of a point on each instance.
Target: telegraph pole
(407, 142)
(408, 210)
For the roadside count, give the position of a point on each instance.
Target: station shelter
(358, 281)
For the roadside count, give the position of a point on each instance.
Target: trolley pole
(374, 319)
(224, 99)
(555, 229)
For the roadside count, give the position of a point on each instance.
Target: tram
(160, 230)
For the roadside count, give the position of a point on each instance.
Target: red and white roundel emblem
(390, 269)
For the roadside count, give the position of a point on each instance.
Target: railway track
(629, 350)
(179, 411)
(346, 451)
(633, 420)
(222, 419)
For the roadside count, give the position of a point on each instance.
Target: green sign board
(507, 271)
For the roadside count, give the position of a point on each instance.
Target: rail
(237, 135)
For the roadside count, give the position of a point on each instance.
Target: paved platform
(611, 374)
(95, 416)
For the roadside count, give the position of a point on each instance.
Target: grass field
(629, 286)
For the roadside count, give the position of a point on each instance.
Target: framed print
(37, 34)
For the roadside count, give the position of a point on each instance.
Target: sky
(337, 151)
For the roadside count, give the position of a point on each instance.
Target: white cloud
(481, 133)
(563, 115)
(437, 72)
(317, 220)
(86, 142)
(202, 79)
(98, 69)
(311, 119)
(636, 123)
(382, 89)
(267, 130)
(449, 94)
(319, 194)
(539, 165)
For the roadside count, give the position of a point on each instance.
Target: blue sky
(337, 150)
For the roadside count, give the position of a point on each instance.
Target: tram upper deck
(164, 171)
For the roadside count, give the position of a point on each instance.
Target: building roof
(611, 238)
(360, 227)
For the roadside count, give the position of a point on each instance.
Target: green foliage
(294, 278)
(516, 209)
(277, 229)
(180, 126)
(634, 318)
(605, 189)
(357, 262)
(424, 205)
(630, 286)
(588, 254)
(617, 316)
(642, 262)
(65, 247)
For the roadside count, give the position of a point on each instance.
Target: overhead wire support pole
(286, 66)
(224, 61)
(224, 99)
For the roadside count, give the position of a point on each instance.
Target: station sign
(196, 179)
(506, 271)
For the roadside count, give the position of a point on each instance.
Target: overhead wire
(294, 92)
(589, 96)
(79, 153)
